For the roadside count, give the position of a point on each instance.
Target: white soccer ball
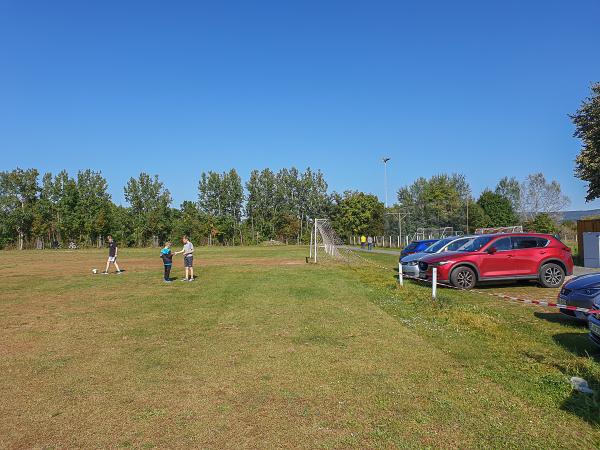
(94, 270)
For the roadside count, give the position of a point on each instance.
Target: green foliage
(498, 209)
(436, 202)
(357, 213)
(477, 217)
(587, 128)
(511, 189)
(221, 197)
(542, 223)
(275, 198)
(149, 202)
(18, 191)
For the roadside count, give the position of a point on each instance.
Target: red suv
(495, 257)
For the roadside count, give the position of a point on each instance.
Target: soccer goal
(435, 233)
(497, 230)
(325, 243)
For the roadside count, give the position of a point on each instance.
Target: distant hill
(576, 215)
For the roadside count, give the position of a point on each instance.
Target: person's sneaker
(119, 272)
(168, 281)
(184, 279)
(104, 273)
(190, 279)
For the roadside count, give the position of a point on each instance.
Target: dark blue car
(417, 246)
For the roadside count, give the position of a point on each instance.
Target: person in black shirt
(113, 251)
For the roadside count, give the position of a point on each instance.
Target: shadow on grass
(578, 344)
(561, 319)
(586, 406)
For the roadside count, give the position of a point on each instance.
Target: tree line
(57, 209)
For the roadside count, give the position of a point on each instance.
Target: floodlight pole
(385, 160)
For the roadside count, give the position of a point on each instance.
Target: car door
(528, 252)
(499, 262)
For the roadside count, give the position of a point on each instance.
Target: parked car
(417, 246)
(410, 263)
(583, 292)
(594, 324)
(495, 257)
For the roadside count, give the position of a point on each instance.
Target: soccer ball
(94, 270)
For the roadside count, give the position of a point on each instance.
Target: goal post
(325, 241)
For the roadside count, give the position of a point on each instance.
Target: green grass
(265, 351)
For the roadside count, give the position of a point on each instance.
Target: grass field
(265, 351)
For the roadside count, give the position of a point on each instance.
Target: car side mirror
(492, 250)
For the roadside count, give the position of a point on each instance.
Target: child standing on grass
(167, 257)
(188, 258)
(112, 255)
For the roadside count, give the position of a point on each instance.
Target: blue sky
(177, 88)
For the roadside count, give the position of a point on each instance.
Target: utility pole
(385, 160)
(401, 215)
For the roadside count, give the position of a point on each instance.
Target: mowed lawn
(266, 351)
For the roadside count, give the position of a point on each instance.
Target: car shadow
(586, 406)
(484, 285)
(578, 344)
(561, 319)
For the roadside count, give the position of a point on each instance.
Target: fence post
(400, 278)
(434, 283)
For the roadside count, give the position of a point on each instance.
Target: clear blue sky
(177, 88)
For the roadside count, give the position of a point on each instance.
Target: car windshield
(476, 244)
(436, 247)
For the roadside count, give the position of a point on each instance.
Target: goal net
(435, 233)
(513, 229)
(325, 243)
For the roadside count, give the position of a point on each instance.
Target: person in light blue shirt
(167, 256)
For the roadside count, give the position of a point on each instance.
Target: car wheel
(463, 278)
(551, 275)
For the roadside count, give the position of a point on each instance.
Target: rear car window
(524, 242)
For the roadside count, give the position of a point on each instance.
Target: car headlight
(590, 292)
(412, 263)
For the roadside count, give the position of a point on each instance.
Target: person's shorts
(188, 261)
(112, 259)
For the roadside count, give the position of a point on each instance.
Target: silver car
(583, 292)
(410, 263)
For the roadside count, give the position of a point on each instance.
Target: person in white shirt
(188, 258)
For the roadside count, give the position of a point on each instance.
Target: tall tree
(587, 128)
(498, 209)
(357, 213)
(65, 199)
(510, 188)
(93, 204)
(540, 196)
(149, 201)
(440, 201)
(221, 197)
(18, 194)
